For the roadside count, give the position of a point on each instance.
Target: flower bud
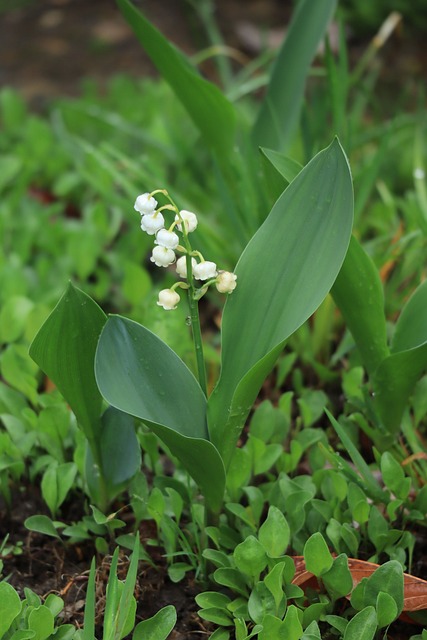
(168, 299)
(226, 282)
(167, 239)
(145, 204)
(204, 270)
(162, 256)
(189, 219)
(181, 266)
(152, 223)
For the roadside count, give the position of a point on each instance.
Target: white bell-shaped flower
(181, 266)
(168, 299)
(189, 218)
(152, 223)
(162, 256)
(145, 204)
(226, 282)
(204, 270)
(167, 239)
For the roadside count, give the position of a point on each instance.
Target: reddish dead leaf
(415, 589)
(421, 455)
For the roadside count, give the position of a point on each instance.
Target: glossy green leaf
(158, 627)
(56, 483)
(363, 626)
(274, 533)
(397, 375)
(338, 579)
(64, 349)
(388, 578)
(279, 171)
(210, 111)
(358, 293)
(250, 557)
(140, 375)
(411, 327)
(386, 609)
(41, 621)
(120, 453)
(317, 557)
(280, 110)
(10, 606)
(283, 275)
(291, 624)
(41, 524)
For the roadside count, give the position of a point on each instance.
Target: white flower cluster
(167, 242)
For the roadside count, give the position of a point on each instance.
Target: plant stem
(193, 305)
(196, 331)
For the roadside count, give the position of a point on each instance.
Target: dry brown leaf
(415, 589)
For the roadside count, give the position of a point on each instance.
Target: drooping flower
(151, 223)
(167, 239)
(204, 270)
(189, 218)
(181, 266)
(145, 204)
(168, 299)
(226, 282)
(162, 256)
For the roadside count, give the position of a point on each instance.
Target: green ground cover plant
(244, 444)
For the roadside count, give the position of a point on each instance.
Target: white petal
(205, 270)
(167, 239)
(145, 204)
(162, 257)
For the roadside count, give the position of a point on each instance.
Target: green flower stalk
(191, 265)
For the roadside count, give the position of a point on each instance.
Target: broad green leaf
(411, 327)
(274, 583)
(279, 171)
(338, 579)
(363, 626)
(291, 624)
(388, 578)
(41, 621)
(140, 375)
(317, 557)
(250, 557)
(41, 524)
(64, 349)
(286, 167)
(397, 375)
(210, 111)
(56, 483)
(274, 533)
(358, 293)
(10, 606)
(261, 603)
(273, 627)
(386, 608)
(120, 453)
(280, 110)
(283, 275)
(158, 627)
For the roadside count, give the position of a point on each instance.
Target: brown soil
(46, 566)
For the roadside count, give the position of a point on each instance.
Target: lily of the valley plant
(282, 276)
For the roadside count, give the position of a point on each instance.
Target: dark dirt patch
(48, 566)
